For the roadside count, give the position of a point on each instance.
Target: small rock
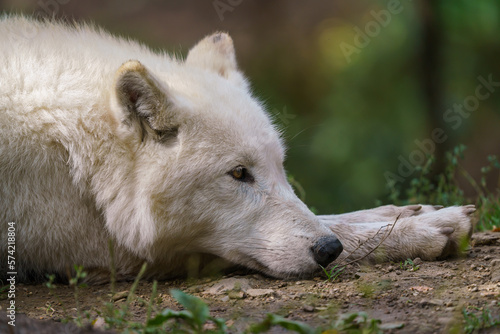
(417, 261)
(209, 326)
(225, 299)
(224, 285)
(391, 325)
(259, 292)
(194, 289)
(236, 294)
(120, 295)
(390, 268)
(436, 302)
(398, 272)
(495, 263)
(473, 288)
(99, 323)
(445, 320)
(495, 277)
(480, 239)
(308, 308)
(431, 302)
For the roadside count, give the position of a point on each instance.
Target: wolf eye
(240, 173)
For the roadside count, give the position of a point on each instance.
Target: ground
(411, 297)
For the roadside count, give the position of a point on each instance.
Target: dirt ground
(429, 299)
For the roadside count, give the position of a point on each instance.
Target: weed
(191, 320)
(352, 323)
(489, 215)
(408, 265)
(357, 322)
(276, 320)
(475, 322)
(333, 273)
(117, 317)
(74, 281)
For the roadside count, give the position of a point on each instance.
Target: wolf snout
(326, 249)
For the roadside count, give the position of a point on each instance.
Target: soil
(429, 299)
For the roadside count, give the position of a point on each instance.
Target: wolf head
(208, 169)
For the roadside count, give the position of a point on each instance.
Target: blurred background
(364, 90)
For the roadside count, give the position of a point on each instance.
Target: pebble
(495, 270)
(308, 308)
(99, 324)
(120, 295)
(473, 288)
(236, 295)
(259, 292)
(495, 263)
(417, 261)
(229, 284)
(445, 321)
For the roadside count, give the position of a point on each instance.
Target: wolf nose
(326, 249)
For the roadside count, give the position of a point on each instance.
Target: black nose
(326, 249)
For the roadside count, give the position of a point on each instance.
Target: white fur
(102, 139)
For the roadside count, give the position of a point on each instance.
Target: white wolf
(103, 139)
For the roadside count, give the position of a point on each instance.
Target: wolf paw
(446, 232)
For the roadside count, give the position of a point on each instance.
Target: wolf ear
(216, 53)
(144, 101)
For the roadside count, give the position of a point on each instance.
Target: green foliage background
(350, 118)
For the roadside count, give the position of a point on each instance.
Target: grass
(476, 322)
(334, 273)
(408, 265)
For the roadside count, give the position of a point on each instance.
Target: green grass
(408, 265)
(474, 322)
(334, 273)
